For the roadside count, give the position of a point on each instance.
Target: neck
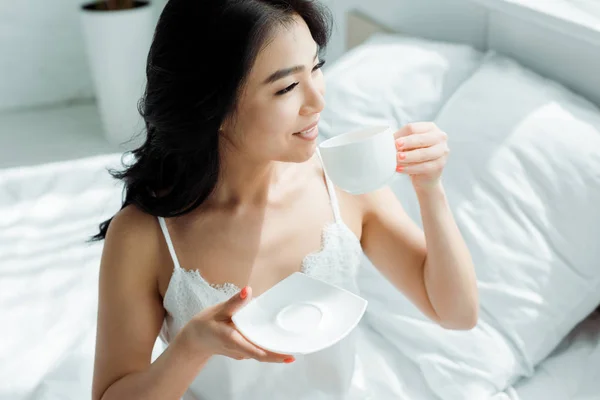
(244, 181)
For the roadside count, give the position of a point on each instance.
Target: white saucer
(300, 315)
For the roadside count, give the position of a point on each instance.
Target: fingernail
(399, 168)
(244, 293)
(289, 360)
(401, 156)
(399, 143)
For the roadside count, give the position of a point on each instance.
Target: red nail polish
(399, 168)
(244, 293)
(289, 360)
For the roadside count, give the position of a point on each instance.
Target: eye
(293, 85)
(287, 89)
(319, 65)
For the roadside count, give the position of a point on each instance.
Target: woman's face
(282, 98)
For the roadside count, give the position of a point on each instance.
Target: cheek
(277, 116)
(264, 127)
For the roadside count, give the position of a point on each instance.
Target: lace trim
(308, 266)
(226, 288)
(309, 263)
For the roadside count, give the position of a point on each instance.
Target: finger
(419, 141)
(236, 344)
(422, 155)
(422, 168)
(231, 306)
(414, 128)
(239, 356)
(253, 351)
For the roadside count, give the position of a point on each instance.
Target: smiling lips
(310, 132)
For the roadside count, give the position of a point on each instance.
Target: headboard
(554, 40)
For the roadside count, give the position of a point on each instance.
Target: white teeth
(308, 131)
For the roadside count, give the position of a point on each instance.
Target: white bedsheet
(48, 298)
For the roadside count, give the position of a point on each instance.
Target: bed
(48, 296)
(482, 72)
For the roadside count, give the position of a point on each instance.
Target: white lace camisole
(327, 374)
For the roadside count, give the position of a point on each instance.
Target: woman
(230, 169)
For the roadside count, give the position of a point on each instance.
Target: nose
(314, 100)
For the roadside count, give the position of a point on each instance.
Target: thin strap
(332, 195)
(165, 230)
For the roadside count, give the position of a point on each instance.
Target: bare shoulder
(377, 199)
(132, 221)
(379, 205)
(133, 243)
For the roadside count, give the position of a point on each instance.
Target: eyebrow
(282, 73)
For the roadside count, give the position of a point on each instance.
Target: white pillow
(394, 80)
(523, 181)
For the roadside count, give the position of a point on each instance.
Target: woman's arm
(433, 267)
(449, 274)
(168, 377)
(130, 314)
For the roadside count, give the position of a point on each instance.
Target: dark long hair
(201, 54)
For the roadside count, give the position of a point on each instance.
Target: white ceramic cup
(360, 161)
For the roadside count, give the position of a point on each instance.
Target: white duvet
(48, 298)
(48, 275)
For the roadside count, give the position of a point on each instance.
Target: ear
(225, 124)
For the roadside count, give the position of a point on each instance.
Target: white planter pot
(117, 44)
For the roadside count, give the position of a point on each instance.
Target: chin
(304, 153)
(298, 154)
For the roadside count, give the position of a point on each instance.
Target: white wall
(450, 20)
(42, 56)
